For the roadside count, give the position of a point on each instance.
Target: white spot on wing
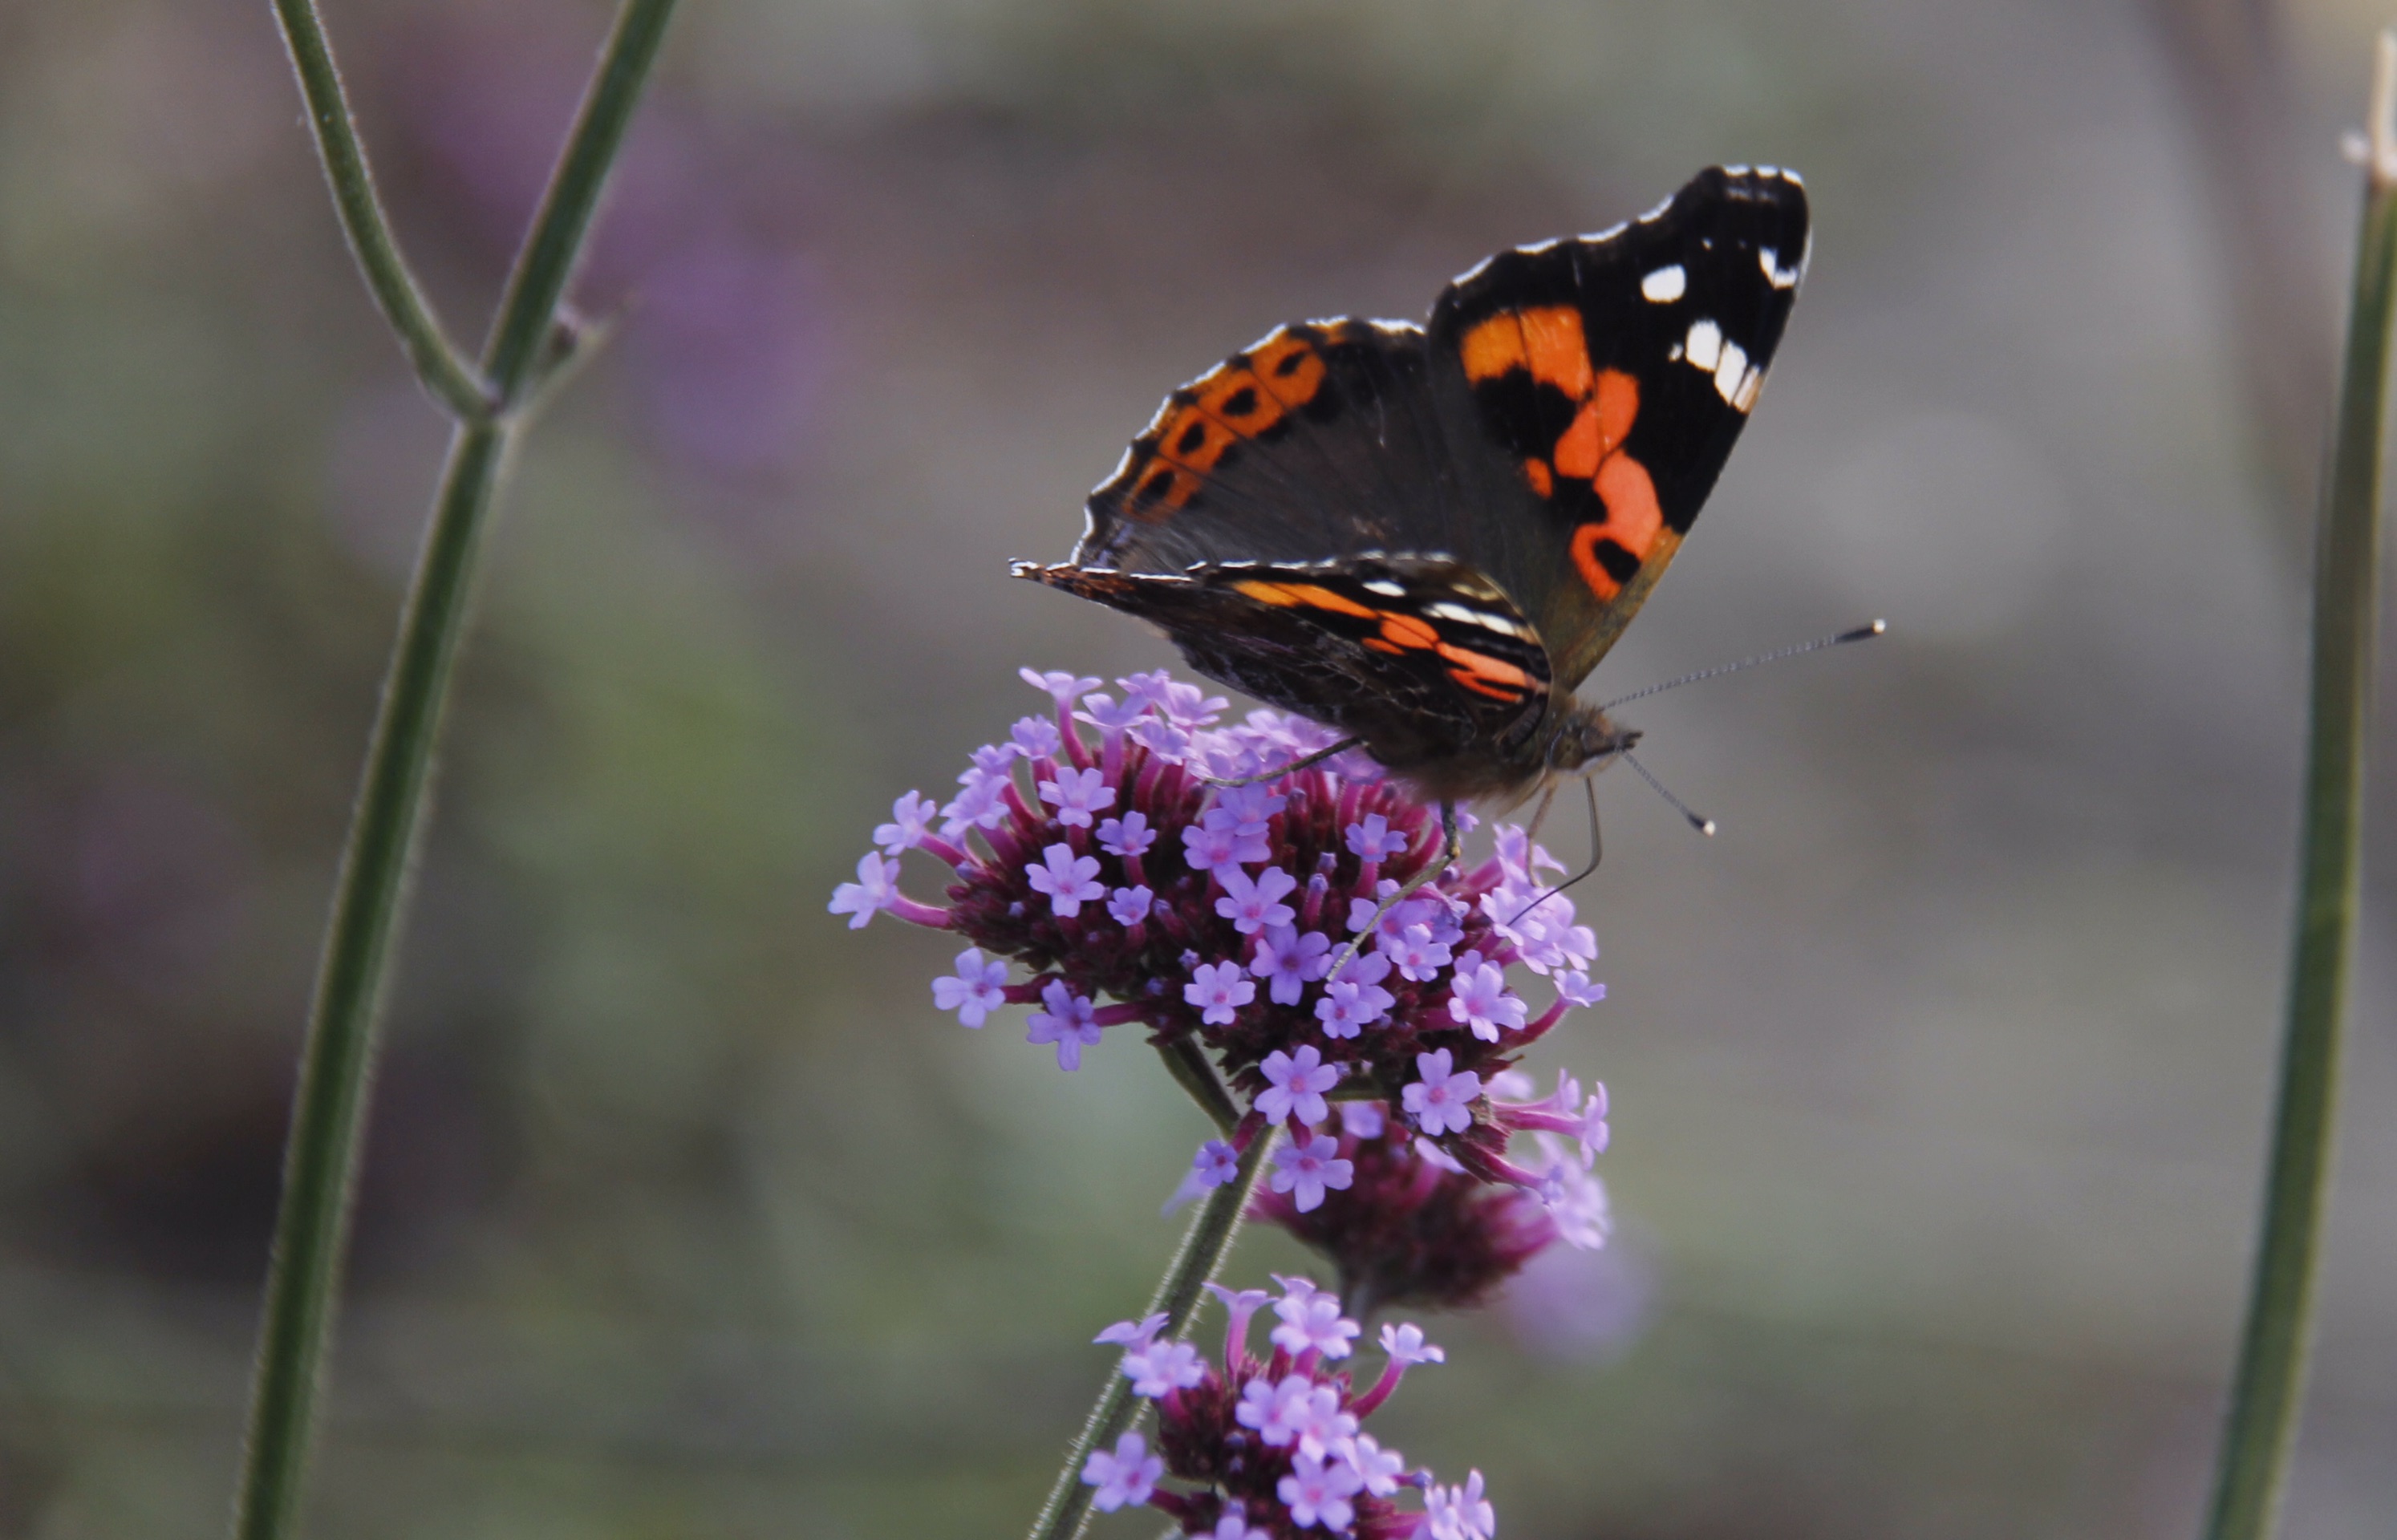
(1729, 371)
(1666, 285)
(1481, 618)
(1775, 273)
(1704, 345)
(1384, 586)
(1745, 397)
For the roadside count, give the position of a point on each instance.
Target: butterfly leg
(1452, 848)
(1294, 765)
(1540, 814)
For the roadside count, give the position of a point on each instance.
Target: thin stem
(438, 362)
(528, 306)
(1189, 1067)
(1068, 1511)
(320, 1162)
(2263, 1416)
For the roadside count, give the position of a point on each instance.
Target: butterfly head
(1582, 739)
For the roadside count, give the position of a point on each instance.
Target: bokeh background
(1941, 1075)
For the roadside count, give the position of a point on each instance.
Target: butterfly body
(1426, 537)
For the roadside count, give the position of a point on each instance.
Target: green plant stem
(1068, 1511)
(320, 1162)
(2263, 1416)
(438, 362)
(1188, 1065)
(528, 306)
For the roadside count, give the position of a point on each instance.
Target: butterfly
(1426, 537)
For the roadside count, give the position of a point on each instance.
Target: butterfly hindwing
(1593, 389)
(1421, 658)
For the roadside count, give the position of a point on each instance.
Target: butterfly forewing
(1611, 376)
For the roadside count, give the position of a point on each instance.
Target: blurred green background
(1940, 1074)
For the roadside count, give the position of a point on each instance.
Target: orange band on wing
(1633, 516)
(1495, 670)
(1407, 631)
(1556, 350)
(1493, 347)
(1593, 572)
(1311, 596)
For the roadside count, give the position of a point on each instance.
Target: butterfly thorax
(1570, 739)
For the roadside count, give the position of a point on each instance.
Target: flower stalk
(2262, 1422)
(320, 1163)
(1204, 1245)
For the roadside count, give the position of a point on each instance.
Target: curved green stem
(1187, 1064)
(2266, 1397)
(528, 306)
(1201, 1253)
(303, 1275)
(437, 361)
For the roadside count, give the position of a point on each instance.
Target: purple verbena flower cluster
(1091, 847)
(1274, 1447)
(1415, 1229)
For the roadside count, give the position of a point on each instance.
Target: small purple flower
(1575, 988)
(1363, 1120)
(1441, 1102)
(1215, 1163)
(1381, 1469)
(1037, 737)
(1317, 1491)
(1126, 1477)
(1151, 689)
(1355, 999)
(1133, 1333)
(1576, 1200)
(1076, 794)
(1254, 904)
(1251, 808)
(1307, 1171)
(1070, 1021)
(1219, 990)
(992, 759)
(1477, 998)
(1064, 689)
(1403, 1341)
(1312, 1323)
(911, 824)
(1168, 742)
(1212, 849)
(1248, 843)
(1298, 1083)
(1593, 1131)
(1068, 879)
(975, 990)
(1373, 839)
(1275, 1408)
(1126, 837)
(1418, 957)
(877, 887)
(1129, 906)
(1158, 1367)
(1291, 960)
(1107, 717)
(983, 803)
(1460, 1512)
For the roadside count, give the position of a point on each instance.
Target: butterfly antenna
(1698, 820)
(1597, 850)
(1858, 634)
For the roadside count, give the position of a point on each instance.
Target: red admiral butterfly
(1426, 537)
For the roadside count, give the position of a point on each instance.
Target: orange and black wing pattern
(1610, 375)
(1425, 659)
(1318, 441)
